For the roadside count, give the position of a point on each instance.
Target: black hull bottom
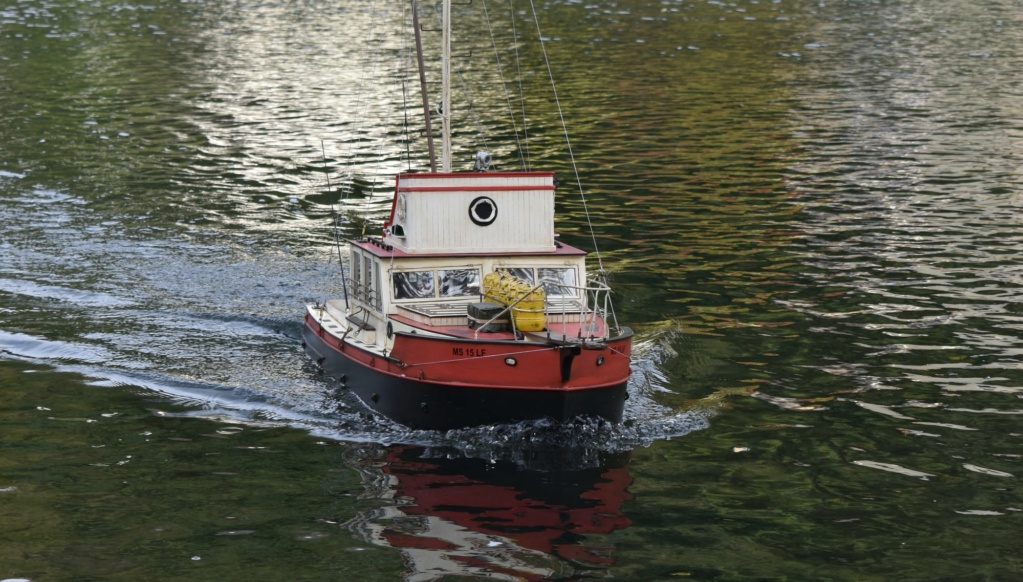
(424, 405)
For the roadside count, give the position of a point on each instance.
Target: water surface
(809, 211)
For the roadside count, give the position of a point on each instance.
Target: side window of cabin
(379, 300)
(413, 284)
(558, 281)
(459, 282)
(367, 279)
(356, 273)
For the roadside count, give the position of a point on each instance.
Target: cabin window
(459, 282)
(367, 263)
(558, 281)
(413, 284)
(379, 300)
(524, 273)
(356, 271)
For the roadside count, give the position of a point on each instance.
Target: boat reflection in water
(534, 518)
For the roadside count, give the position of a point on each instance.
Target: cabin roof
(379, 248)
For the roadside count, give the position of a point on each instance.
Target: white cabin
(472, 213)
(446, 232)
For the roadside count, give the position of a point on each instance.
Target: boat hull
(421, 403)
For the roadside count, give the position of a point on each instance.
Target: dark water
(810, 211)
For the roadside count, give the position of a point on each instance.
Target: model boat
(467, 309)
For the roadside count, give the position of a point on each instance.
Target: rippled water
(809, 211)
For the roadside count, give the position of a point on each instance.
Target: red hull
(440, 383)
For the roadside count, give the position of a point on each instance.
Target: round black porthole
(600, 360)
(483, 211)
(511, 361)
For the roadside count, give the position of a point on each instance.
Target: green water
(105, 483)
(808, 210)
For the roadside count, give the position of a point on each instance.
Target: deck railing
(596, 315)
(594, 322)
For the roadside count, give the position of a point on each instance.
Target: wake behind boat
(467, 310)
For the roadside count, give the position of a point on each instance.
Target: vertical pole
(446, 87)
(422, 85)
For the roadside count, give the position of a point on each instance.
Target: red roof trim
(482, 188)
(379, 251)
(468, 175)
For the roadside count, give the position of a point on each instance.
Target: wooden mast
(422, 85)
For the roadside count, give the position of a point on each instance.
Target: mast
(445, 74)
(422, 85)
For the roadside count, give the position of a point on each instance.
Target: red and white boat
(467, 310)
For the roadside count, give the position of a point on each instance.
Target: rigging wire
(404, 76)
(468, 93)
(337, 235)
(504, 85)
(568, 144)
(522, 92)
(405, 125)
(571, 155)
(475, 114)
(347, 187)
